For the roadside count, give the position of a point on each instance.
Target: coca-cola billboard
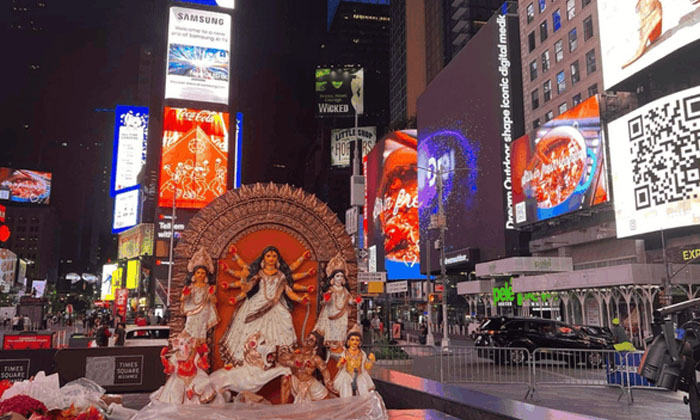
(391, 207)
(194, 157)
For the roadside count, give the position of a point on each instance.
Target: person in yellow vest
(622, 342)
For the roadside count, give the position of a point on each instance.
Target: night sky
(85, 58)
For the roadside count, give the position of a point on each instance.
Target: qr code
(665, 151)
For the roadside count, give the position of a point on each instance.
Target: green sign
(506, 295)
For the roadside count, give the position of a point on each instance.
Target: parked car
(150, 335)
(598, 332)
(537, 333)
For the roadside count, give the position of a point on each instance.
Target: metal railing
(541, 368)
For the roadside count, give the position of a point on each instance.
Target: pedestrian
(376, 325)
(620, 338)
(120, 334)
(102, 334)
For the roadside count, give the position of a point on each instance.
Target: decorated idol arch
(264, 283)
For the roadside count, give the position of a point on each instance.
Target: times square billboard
(467, 118)
(655, 159)
(25, 186)
(561, 167)
(649, 31)
(130, 143)
(199, 56)
(194, 157)
(391, 205)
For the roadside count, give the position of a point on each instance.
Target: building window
(533, 70)
(575, 75)
(558, 51)
(545, 61)
(530, 12)
(561, 82)
(590, 62)
(588, 28)
(585, 3)
(573, 40)
(548, 116)
(536, 124)
(543, 5)
(547, 90)
(535, 99)
(562, 108)
(543, 31)
(593, 90)
(531, 41)
(576, 99)
(556, 20)
(570, 9)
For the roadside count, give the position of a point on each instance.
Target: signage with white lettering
(397, 286)
(115, 370)
(372, 277)
(130, 136)
(14, 369)
(339, 91)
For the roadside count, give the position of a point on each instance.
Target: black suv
(535, 333)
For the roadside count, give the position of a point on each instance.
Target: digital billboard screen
(341, 142)
(194, 157)
(199, 44)
(130, 141)
(126, 211)
(106, 285)
(635, 34)
(561, 167)
(25, 186)
(467, 118)
(225, 4)
(339, 91)
(655, 159)
(392, 205)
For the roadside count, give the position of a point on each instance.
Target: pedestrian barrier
(417, 360)
(576, 368)
(493, 365)
(541, 368)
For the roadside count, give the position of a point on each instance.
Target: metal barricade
(577, 368)
(487, 365)
(629, 367)
(416, 360)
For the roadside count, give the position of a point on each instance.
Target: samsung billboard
(199, 43)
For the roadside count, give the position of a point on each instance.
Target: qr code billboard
(655, 156)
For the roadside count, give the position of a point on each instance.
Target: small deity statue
(258, 368)
(268, 288)
(188, 382)
(332, 323)
(353, 369)
(198, 299)
(304, 362)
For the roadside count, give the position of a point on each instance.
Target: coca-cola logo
(198, 116)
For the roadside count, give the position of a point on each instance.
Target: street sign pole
(443, 274)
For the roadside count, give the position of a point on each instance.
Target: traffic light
(435, 298)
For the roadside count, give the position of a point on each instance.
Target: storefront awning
(523, 266)
(617, 275)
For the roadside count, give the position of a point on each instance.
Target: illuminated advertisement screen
(341, 142)
(391, 205)
(467, 118)
(560, 168)
(647, 33)
(225, 4)
(130, 135)
(25, 186)
(8, 267)
(126, 211)
(199, 44)
(136, 241)
(655, 158)
(106, 285)
(339, 91)
(194, 157)
(133, 274)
